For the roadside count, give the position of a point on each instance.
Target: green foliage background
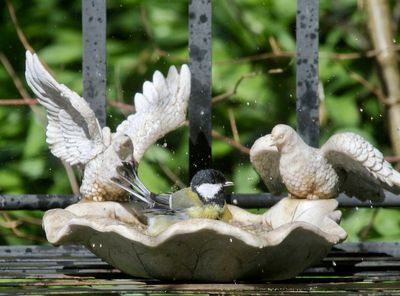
(240, 29)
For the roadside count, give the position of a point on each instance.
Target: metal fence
(200, 105)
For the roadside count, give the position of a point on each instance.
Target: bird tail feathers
(130, 182)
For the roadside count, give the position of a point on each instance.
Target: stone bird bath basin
(279, 244)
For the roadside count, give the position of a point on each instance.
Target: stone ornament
(345, 163)
(74, 133)
(291, 236)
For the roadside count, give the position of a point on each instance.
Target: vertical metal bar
(307, 107)
(200, 100)
(94, 56)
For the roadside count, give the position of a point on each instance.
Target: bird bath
(279, 244)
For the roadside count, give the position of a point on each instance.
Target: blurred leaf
(355, 222)
(36, 140)
(342, 111)
(152, 179)
(387, 222)
(61, 53)
(245, 179)
(33, 167)
(158, 153)
(9, 179)
(220, 149)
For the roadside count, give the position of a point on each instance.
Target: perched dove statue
(345, 163)
(74, 133)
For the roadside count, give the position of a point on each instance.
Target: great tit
(205, 198)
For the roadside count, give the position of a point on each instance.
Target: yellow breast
(210, 212)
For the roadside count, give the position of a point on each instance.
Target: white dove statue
(345, 163)
(74, 133)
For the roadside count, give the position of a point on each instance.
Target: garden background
(253, 89)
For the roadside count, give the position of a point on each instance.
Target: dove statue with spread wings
(345, 163)
(74, 133)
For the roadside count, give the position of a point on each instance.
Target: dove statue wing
(265, 159)
(364, 167)
(73, 131)
(160, 109)
(361, 188)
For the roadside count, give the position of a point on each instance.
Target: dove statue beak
(272, 143)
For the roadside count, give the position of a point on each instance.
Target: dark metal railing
(94, 23)
(200, 99)
(200, 39)
(307, 78)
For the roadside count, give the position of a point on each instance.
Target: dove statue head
(283, 135)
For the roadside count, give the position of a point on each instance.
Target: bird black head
(209, 185)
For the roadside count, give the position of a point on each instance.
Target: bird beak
(228, 184)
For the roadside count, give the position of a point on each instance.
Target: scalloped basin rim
(269, 238)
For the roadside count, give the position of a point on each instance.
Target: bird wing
(265, 159)
(73, 132)
(160, 109)
(364, 167)
(185, 198)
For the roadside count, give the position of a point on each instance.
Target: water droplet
(333, 263)
(361, 110)
(202, 113)
(231, 240)
(165, 145)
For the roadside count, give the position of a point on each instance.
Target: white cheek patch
(209, 191)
